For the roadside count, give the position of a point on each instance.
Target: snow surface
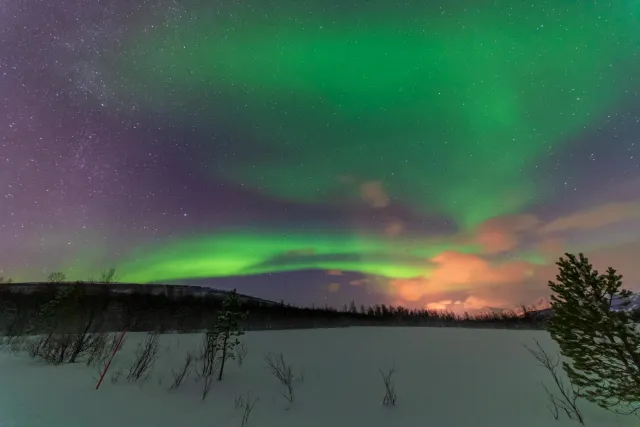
(633, 306)
(445, 377)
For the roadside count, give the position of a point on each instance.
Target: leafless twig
(389, 387)
(246, 404)
(183, 373)
(145, 358)
(283, 372)
(567, 402)
(241, 353)
(210, 359)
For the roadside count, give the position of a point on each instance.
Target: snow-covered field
(444, 378)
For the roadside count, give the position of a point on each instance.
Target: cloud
(394, 228)
(304, 252)
(334, 273)
(469, 304)
(624, 258)
(439, 305)
(374, 194)
(595, 217)
(455, 271)
(551, 248)
(359, 282)
(333, 287)
(496, 277)
(504, 233)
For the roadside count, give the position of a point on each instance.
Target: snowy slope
(445, 378)
(635, 304)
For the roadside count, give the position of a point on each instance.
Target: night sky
(428, 153)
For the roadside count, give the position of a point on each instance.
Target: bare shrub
(210, 359)
(97, 348)
(241, 353)
(16, 344)
(183, 373)
(246, 404)
(108, 276)
(284, 373)
(57, 348)
(113, 342)
(145, 358)
(567, 402)
(33, 344)
(56, 277)
(116, 375)
(390, 396)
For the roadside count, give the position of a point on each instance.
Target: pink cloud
(374, 194)
(595, 217)
(394, 228)
(504, 233)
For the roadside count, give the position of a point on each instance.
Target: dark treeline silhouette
(112, 307)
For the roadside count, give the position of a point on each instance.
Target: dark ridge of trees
(145, 308)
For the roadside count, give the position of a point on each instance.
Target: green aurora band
(253, 252)
(451, 107)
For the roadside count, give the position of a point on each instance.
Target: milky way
(424, 154)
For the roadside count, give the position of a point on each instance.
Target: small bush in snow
(390, 396)
(182, 374)
(98, 348)
(284, 373)
(209, 360)
(14, 344)
(145, 358)
(246, 404)
(116, 375)
(241, 353)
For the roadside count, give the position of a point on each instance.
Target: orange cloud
(334, 273)
(503, 233)
(469, 304)
(596, 217)
(551, 248)
(455, 271)
(333, 287)
(440, 305)
(394, 228)
(374, 194)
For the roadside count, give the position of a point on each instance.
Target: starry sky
(429, 153)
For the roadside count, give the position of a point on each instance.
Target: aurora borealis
(425, 154)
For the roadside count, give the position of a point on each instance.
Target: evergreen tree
(228, 327)
(603, 345)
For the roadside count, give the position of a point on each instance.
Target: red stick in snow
(115, 350)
